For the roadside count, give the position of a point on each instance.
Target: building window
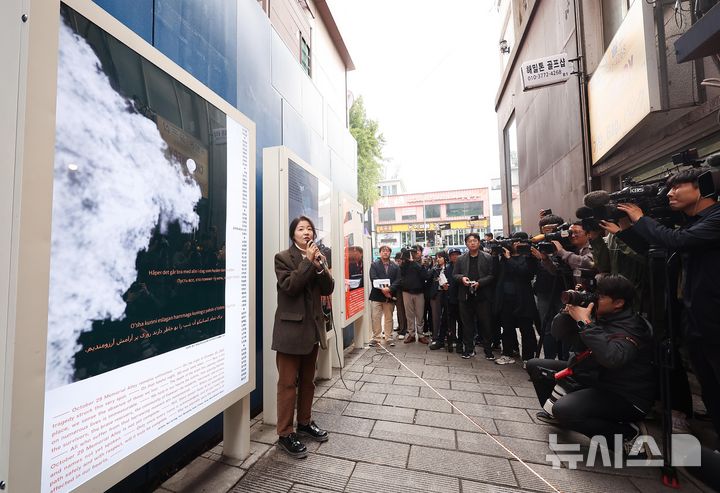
(613, 14)
(432, 211)
(394, 189)
(465, 209)
(410, 217)
(497, 209)
(495, 184)
(386, 214)
(406, 238)
(512, 192)
(305, 56)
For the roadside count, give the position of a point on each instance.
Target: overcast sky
(428, 72)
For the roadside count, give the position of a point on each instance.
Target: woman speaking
(302, 277)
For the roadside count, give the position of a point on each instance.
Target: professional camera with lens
(406, 254)
(522, 247)
(578, 298)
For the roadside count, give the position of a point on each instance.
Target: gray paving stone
(454, 421)
(438, 384)
(402, 372)
(526, 450)
(654, 485)
(385, 388)
(438, 372)
(509, 401)
(315, 470)
(525, 392)
(462, 465)
(473, 487)
(366, 450)
(414, 434)
(302, 488)
(454, 395)
(344, 424)
(348, 395)
(204, 476)
(373, 411)
(371, 377)
(254, 482)
(460, 377)
(377, 478)
(570, 480)
(485, 373)
(260, 432)
(496, 412)
(529, 431)
(330, 406)
(418, 403)
(482, 387)
(257, 450)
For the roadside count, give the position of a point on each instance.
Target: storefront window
(512, 191)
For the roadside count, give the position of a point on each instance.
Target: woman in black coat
(298, 331)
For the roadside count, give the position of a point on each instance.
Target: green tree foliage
(369, 152)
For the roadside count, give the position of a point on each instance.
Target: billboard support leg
(236, 430)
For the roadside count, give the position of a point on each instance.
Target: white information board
(140, 233)
(545, 71)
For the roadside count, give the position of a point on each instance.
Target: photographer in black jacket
(698, 243)
(514, 301)
(617, 386)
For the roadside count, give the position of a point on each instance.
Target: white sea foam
(104, 212)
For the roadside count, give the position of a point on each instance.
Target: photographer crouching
(611, 384)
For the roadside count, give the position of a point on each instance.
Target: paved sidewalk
(391, 432)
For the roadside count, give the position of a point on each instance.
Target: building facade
(435, 220)
(629, 106)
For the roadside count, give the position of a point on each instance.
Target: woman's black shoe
(312, 431)
(292, 446)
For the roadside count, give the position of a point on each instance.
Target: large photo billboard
(353, 235)
(148, 318)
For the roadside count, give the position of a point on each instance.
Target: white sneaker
(504, 360)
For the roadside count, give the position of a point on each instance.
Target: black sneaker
(292, 446)
(468, 355)
(436, 345)
(546, 417)
(312, 431)
(450, 347)
(490, 356)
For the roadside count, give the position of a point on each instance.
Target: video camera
(650, 196)
(496, 245)
(406, 254)
(544, 242)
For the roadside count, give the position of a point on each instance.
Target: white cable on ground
(474, 423)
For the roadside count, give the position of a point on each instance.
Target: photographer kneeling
(613, 384)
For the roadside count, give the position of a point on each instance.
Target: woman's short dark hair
(443, 254)
(520, 235)
(294, 224)
(472, 235)
(385, 247)
(617, 287)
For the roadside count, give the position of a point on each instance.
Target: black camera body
(578, 298)
(496, 246)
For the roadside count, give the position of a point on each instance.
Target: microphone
(319, 257)
(596, 199)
